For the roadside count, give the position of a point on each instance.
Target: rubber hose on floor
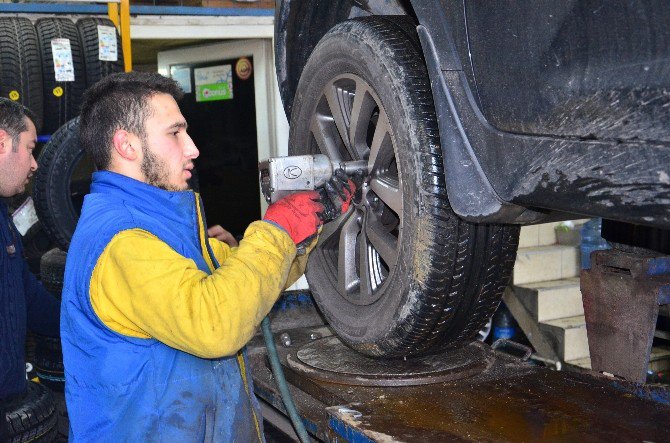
(278, 372)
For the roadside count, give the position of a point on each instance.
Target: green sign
(213, 92)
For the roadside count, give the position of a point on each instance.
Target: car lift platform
(476, 394)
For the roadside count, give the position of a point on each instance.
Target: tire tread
(20, 64)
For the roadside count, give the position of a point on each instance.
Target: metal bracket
(621, 295)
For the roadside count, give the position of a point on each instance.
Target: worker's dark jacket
(153, 317)
(24, 303)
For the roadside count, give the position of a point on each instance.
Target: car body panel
(586, 68)
(527, 155)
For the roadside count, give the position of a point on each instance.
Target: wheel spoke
(382, 240)
(364, 269)
(322, 132)
(388, 190)
(361, 111)
(381, 146)
(347, 280)
(337, 110)
(334, 227)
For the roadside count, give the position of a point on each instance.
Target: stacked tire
(48, 360)
(48, 66)
(31, 417)
(62, 70)
(54, 189)
(21, 65)
(48, 352)
(63, 176)
(98, 64)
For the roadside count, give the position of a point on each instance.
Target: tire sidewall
(52, 184)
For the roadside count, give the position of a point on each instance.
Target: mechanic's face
(168, 151)
(17, 163)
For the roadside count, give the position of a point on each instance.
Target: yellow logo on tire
(58, 91)
(14, 95)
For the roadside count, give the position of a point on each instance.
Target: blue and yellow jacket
(154, 317)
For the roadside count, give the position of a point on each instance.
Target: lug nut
(285, 340)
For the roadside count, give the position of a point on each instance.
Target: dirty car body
(549, 109)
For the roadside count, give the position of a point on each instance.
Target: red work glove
(298, 214)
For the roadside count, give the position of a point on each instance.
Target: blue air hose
(278, 372)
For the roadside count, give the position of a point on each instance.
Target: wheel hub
(360, 248)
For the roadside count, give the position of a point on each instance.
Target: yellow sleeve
(141, 287)
(222, 251)
(298, 266)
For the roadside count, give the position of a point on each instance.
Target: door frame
(271, 122)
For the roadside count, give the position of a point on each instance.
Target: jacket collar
(178, 206)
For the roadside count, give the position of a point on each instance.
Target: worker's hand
(340, 190)
(221, 234)
(298, 214)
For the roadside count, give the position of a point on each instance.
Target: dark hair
(119, 101)
(13, 118)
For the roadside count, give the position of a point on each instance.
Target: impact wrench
(281, 176)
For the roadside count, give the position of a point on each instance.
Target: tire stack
(47, 66)
(57, 194)
(48, 352)
(21, 65)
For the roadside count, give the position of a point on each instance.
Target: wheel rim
(359, 250)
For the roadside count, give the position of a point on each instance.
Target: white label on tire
(62, 55)
(107, 50)
(25, 216)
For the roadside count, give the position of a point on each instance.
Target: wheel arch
(300, 25)
(298, 29)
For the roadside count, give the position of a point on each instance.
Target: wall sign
(213, 83)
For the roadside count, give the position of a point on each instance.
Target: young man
(24, 303)
(155, 315)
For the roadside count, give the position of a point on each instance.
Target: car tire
(62, 99)
(96, 68)
(61, 182)
(52, 270)
(48, 359)
(63, 417)
(31, 417)
(20, 65)
(49, 363)
(430, 280)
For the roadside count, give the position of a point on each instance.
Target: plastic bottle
(504, 325)
(591, 241)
